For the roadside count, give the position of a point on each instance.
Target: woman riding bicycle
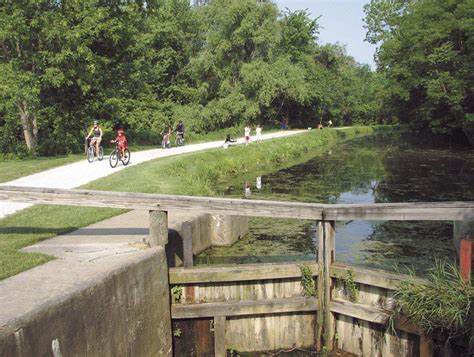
(166, 135)
(96, 132)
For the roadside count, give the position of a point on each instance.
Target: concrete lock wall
(125, 314)
(216, 230)
(226, 230)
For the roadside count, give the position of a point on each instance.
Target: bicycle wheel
(126, 157)
(179, 140)
(113, 159)
(90, 154)
(101, 153)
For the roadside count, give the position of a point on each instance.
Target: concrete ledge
(77, 309)
(106, 294)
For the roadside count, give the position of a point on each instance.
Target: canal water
(381, 168)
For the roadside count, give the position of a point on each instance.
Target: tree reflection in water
(381, 168)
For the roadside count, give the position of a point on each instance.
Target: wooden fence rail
(314, 211)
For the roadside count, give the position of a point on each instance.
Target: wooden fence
(273, 292)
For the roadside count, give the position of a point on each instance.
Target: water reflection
(374, 169)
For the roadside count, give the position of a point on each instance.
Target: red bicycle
(117, 155)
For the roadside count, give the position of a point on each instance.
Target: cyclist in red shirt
(121, 141)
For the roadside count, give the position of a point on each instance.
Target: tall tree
(426, 50)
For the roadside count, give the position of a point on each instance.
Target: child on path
(258, 134)
(121, 141)
(247, 131)
(247, 190)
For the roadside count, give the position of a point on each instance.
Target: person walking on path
(247, 132)
(258, 134)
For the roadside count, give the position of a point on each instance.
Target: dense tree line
(139, 64)
(426, 55)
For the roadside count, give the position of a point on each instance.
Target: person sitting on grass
(121, 142)
(229, 141)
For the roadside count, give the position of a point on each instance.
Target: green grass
(12, 168)
(38, 223)
(191, 174)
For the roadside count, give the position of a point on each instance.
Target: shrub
(443, 307)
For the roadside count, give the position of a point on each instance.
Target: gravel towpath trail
(82, 172)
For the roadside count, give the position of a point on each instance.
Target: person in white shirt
(258, 134)
(247, 131)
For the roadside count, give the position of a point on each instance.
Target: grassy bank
(192, 174)
(201, 173)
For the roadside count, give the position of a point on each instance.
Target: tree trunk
(29, 125)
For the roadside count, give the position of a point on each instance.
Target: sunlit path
(80, 173)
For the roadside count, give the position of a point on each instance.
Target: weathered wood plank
(243, 272)
(320, 293)
(90, 198)
(329, 254)
(373, 277)
(219, 336)
(259, 208)
(158, 228)
(371, 314)
(250, 307)
(187, 236)
(359, 311)
(437, 211)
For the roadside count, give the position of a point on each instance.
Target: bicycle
(91, 152)
(179, 139)
(116, 155)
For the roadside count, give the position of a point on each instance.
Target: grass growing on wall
(443, 308)
(191, 174)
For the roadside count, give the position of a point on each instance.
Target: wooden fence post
(326, 257)
(465, 257)
(159, 238)
(320, 313)
(219, 336)
(158, 228)
(187, 236)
